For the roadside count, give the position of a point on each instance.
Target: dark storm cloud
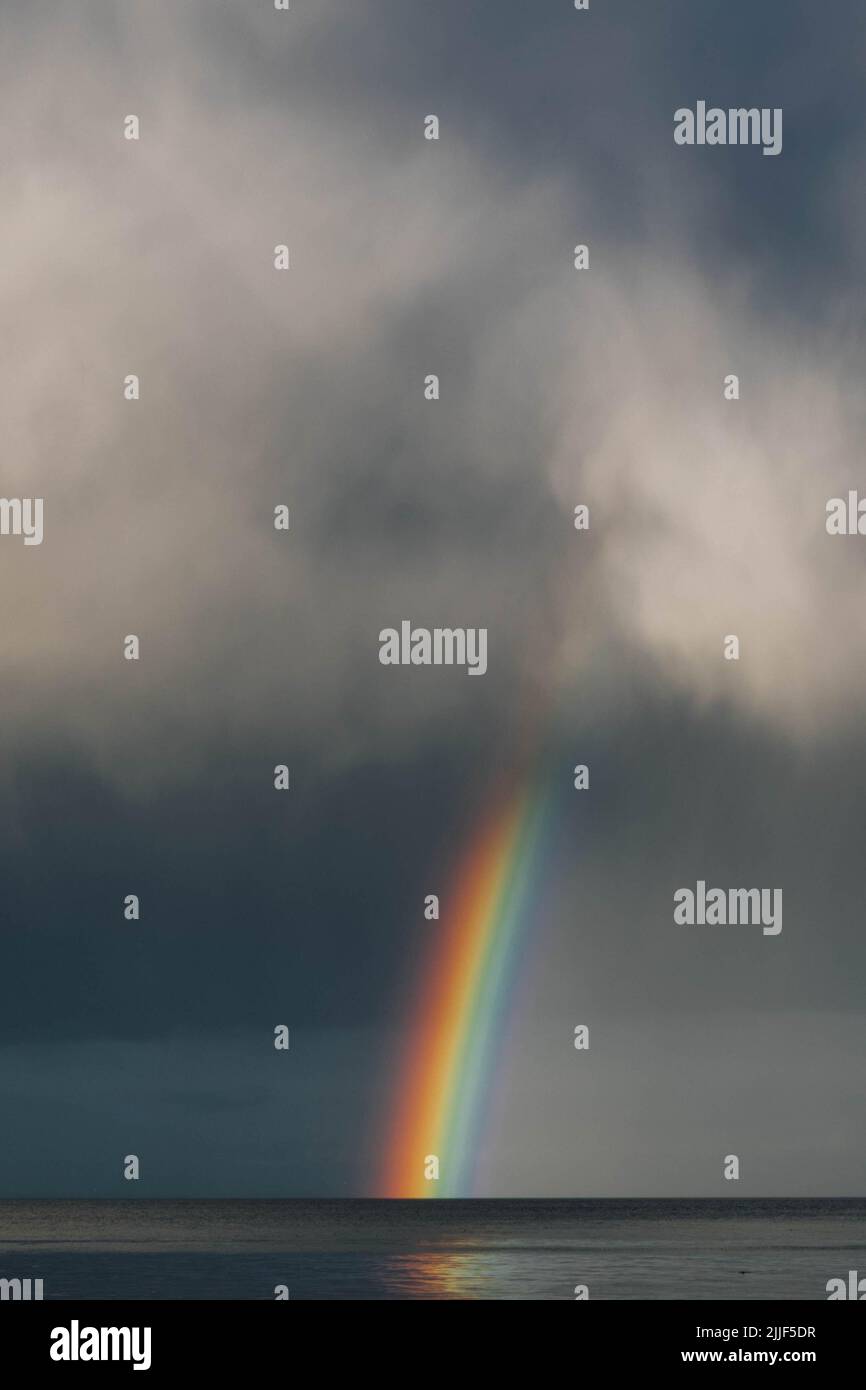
(259, 648)
(205, 1114)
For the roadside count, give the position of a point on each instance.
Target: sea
(752, 1249)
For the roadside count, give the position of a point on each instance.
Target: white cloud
(258, 388)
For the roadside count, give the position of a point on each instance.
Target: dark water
(754, 1249)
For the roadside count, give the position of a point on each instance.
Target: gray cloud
(257, 648)
(306, 389)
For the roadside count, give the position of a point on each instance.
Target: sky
(602, 387)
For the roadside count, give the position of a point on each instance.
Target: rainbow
(447, 1080)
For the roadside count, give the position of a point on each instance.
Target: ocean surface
(656, 1249)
